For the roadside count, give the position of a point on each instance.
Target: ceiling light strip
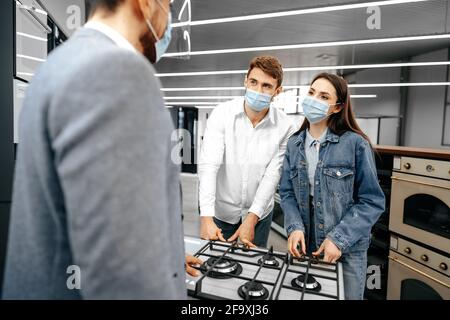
(295, 12)
(26, 35)
(313, 68)
(30, 58)
(310, 45)
(368, 85)
(234, 97)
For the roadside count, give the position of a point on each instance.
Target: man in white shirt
(241, 158)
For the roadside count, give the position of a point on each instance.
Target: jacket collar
(331, 137)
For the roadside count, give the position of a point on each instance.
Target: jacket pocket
(339, 180)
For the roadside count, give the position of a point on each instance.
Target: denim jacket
(348, 199)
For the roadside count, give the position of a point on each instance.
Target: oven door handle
(419, 272)
(422, 183)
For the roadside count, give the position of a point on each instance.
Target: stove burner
(311, 283)
(255, 290)
(269, 260)
(306, 258)
(226, 268)
(314, 260)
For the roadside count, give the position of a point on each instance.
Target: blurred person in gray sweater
(95, 190)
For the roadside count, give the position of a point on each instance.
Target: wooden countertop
(441, 154)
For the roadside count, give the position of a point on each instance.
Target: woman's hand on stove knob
(209, 230)
(295, 238)
(331, 251)
(190, 262)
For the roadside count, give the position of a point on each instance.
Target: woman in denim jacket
(329, 187)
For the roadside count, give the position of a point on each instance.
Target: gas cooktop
(231, 271)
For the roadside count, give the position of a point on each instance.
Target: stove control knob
(407, 250)
(443, 266)
(407, 166)
(424, 258)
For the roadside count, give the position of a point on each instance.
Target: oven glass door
(428, 213)
(413, 289)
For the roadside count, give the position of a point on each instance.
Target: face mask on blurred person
(154, 52)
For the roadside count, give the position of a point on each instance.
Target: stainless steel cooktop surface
(231, 271)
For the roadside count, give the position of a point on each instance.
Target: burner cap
(224, 265)
(269, 260)
(255, 290)
(311, 282)
(224, 269)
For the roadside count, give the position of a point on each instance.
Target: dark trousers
(262, 230)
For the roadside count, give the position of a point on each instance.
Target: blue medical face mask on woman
(257, 101)
(315, 110)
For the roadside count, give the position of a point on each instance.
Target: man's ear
(278, 91)
(147, 8)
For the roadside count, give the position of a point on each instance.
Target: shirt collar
(111, 33)
(310, 139)
(241, 110)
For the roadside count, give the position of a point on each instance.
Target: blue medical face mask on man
(315, 110)
(162, 44)
(257, 101)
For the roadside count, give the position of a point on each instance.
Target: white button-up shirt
(240, 165)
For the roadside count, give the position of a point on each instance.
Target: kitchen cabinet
(19, 95)
(31, 38)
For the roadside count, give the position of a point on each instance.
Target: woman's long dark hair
(343, 120)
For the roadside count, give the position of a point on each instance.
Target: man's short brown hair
(269, 65)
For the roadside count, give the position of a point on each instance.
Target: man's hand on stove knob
(295, 238)
(246, 231)
(190, 262)
(209, 230)
(331, 251)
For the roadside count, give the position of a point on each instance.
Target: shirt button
(317, 183)
(320, 226)
(338, 173)
(318, 203)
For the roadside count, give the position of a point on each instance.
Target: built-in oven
(416, 272)
(420, 201)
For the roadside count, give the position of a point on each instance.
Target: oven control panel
(420, 254)
(423, 167)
